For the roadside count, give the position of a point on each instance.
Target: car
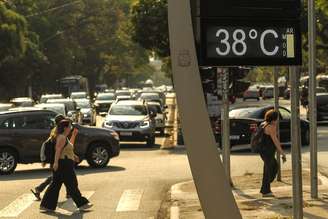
(268, 92)
(71, 109)
(79, 95)
(88, 111)
(132, 120)
(56, 107)
(123, 95)
(22, 102)
(103, 101)
(23, 132)
(287, 93)
(245, 120)
(322, 108)
(46, 97)
(251, 93)
(150, 90)
(5, 106)
(151, 97)
(160, 118)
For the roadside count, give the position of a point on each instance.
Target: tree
(150, 21)
(13, 31)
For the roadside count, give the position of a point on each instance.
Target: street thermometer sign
(248, 32)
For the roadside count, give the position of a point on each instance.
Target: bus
(74, 83)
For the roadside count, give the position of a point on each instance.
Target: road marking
(174, 212)
(130, 200)
(18, 206)
(68, 207)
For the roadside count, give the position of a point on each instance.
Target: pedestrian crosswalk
(129, 201)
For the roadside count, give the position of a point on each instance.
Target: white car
(160, 116)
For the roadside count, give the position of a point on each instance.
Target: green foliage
(57, 38)
(149, 18)
(12, 34)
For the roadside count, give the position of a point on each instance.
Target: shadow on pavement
(76, 214)
(139, 147)
(43, 173)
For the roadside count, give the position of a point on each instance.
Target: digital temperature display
(251, 45)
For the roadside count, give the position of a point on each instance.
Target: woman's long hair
(271, 115)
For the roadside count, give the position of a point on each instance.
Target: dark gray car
(23, 132)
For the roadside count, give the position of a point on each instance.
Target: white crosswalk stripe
(15, 208)
(18, 206)
(130, 200)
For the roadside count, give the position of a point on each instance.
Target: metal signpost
(312, 99)
(276, 107)
(296, 144)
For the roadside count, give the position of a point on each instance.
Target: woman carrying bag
(270, 144)
(63, 170)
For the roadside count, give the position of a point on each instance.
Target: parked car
(46, 97)
(287, 93)
(251, 93)
(160, 118)
(5, 106)
(22, 102)
(88, 111)
(103, 101)
(79, 95)
(132, 121)
(56, 107)
(244, 122)
(268, 93)
(23, 132)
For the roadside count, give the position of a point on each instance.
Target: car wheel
(8, 161)
(151, 141)
(98, 155)
(306, 138)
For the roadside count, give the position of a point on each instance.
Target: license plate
(234, 137)
(126, 133)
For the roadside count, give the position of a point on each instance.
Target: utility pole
(312, 107)
(276, 107)
(296, 144)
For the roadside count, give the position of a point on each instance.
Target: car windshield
(83, 104)
(106, 97)
(251, 112)
(133, 110)
(155, 108)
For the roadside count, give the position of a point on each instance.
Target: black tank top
(268, 146)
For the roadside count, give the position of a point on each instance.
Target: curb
(177, 194)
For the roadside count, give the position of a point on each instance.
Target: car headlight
(144, 124)
(108, 124)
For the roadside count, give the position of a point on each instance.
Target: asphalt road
(134, 184)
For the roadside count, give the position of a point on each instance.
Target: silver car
(132, 121)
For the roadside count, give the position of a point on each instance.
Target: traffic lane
(151, 171)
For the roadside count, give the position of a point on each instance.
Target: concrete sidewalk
(182, 200)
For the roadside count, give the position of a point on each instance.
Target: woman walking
(63, 170)
(270, 144)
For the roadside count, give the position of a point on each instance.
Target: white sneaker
(85, 207)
